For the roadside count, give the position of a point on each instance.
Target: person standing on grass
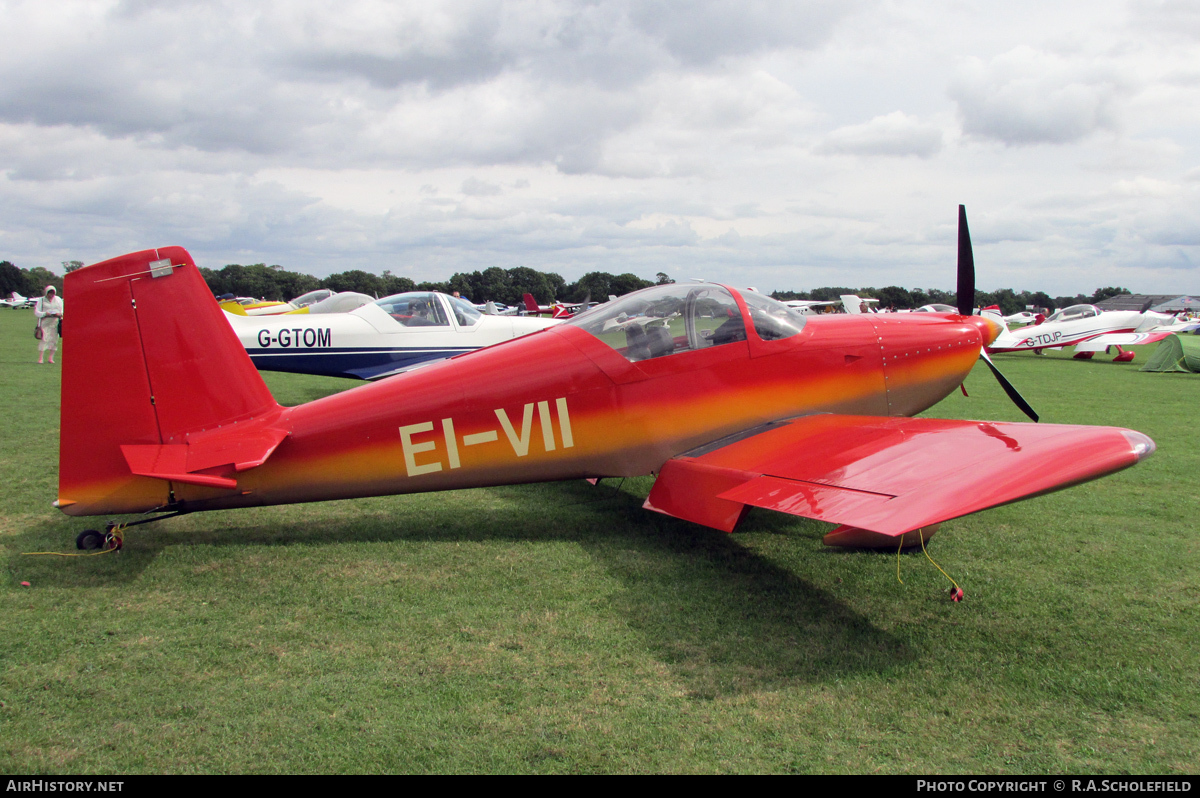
(49, 312)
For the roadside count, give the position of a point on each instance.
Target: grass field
(561, 628)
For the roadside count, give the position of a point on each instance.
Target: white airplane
(380, 338)
(856, 305)
(808, 307)
(1089, 329)
(323, 300)
(17, 301)
(849, 302)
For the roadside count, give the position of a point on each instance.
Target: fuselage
(563, 404)
(1053, 334)
(371, 342)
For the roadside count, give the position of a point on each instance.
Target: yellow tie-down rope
(956, 594)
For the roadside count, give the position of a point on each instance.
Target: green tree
(36, 280)
(597, 285)
(829, 294)
(625, 283)
(1040, 299)
(396, 285)
(356, 280)
(523, 279)
(11, 279)
(1102, 294)
(893, 296)
(71, 265)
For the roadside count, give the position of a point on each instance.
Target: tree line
(27, 282)
(1010, 301)
(495, 284)
(508, 285)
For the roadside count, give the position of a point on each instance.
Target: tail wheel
(90, 540)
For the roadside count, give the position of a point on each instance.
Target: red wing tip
(1141, 444)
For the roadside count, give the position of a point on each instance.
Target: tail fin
(995, 315)
(531, 304)
(153, 377)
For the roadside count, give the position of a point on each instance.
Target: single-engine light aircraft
(729, 397)
(377, 339)
(1089, 329)
(558, 310)
(15, 301)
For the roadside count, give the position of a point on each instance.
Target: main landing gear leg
(1123, 356)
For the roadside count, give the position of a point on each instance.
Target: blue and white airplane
(380, 338)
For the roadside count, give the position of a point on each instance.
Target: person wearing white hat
(49, 312)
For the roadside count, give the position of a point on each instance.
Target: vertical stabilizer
(150, 361)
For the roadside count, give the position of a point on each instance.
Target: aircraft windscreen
(1075, 312)
(772, 319)
(665, 320)
(415, 309)
(312, 297)
(465, 313)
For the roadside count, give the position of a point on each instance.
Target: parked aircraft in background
(854, 304)
(810, 306)
(15, 301)
(1078, 324)
(320, 301)
(377, 338)
(849, 302)
(249, 306)
(738, 402)
(559, 310)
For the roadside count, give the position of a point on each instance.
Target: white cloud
(1028, 96)
(625, 135)
(896, 133)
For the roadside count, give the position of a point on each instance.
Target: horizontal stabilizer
(887, 475)
(209, 461)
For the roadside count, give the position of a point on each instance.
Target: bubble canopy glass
(670, 319)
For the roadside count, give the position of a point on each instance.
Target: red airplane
(559, 310)
(732, 399)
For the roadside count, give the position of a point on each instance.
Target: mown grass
(561, 628)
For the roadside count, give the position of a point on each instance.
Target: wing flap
(887, 475)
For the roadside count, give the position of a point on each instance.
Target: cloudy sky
(787, 144)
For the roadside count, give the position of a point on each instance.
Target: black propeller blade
(1018, 400)
(966, 306)
(966, 266)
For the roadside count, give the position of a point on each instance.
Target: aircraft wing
(887, 475)
(1102, 342)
